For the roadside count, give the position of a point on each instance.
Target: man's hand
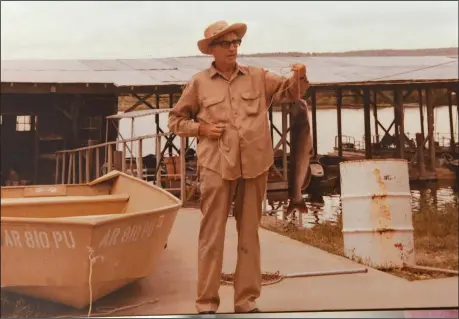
(299, 69)
(212, 131)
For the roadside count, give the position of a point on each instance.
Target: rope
(103, 310)
(267, 278)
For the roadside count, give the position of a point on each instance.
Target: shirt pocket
(214, 109)
(250, 102)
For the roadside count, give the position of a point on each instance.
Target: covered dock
(156, 84)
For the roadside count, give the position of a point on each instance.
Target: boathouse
(66, 96)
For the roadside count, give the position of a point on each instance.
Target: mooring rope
(102, 311)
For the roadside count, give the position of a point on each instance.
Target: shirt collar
(213, 71)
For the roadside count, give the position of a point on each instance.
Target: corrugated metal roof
(145, 72)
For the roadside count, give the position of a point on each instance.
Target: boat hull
(67, 259)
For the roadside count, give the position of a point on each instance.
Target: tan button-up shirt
(241, 102)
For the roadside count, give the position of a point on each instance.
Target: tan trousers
(216, 199)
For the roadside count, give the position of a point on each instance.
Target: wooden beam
(284, 143)
(314, 121)
(430, 130)
(421, 112)
(398, 104)
(140, 161)
(367, 123)
(375, 115)
(451, 122)
(339, 104)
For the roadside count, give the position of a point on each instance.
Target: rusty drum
(376, 211)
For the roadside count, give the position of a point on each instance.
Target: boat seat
(58, 200)
(64, 206)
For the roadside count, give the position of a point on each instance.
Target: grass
(435, 239)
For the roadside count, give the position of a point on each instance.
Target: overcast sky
(70, 30)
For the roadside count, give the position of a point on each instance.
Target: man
(226, 107)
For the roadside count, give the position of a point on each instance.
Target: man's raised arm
(180, 117)
(286, 89)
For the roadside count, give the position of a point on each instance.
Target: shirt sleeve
(284, 89)
(182, 114)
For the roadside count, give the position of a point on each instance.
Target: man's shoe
(207, 312)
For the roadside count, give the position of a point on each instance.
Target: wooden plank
(74, 181)
(98, 162)
(63, 168)
(140, 160)
(56, 176)
(110, 158)
(80, 167)
(158, 161)
(123, 155)
(69, 174)
(88, 167)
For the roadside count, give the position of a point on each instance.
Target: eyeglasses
(227, 44)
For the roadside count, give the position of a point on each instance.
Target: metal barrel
(376, 211)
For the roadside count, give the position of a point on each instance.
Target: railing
(84, 164)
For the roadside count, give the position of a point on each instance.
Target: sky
(106, 30)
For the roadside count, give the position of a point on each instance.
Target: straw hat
(217, 30)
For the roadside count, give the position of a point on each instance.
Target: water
(433, 195)
(352, 125)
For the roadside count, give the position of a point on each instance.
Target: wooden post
(284, 143)
(132, 145)
(110, 158)
(140, 161)
(398, 105)
(375, 115)
(158, 161)
(367, 123)
(314, 120)
(63, 168)
(80, 167)
(271, 122)
(420, 146)
(182, 171)
(339, 105)
(97, 150)
(430, 129)
(69, 174)
(74, 168)
(56, 177)
(421, 112)
(123, 155)
(451, 123)
(88, 166)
